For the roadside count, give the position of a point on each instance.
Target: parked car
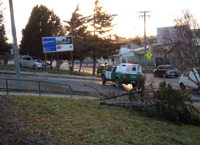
(165, 71)
(186, 82)
(31, 62)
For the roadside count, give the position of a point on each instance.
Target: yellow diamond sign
(148, 55)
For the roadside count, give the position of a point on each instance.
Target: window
(162, 67)
(24, 58)
(170, 67)
(114, 69)
(28, 59)
(134, 69)
(186, 73)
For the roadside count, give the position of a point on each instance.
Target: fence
(7, 88)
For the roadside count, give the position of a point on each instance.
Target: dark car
(165, 71)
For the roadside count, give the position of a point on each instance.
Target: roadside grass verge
(66, 71)
(81, 121)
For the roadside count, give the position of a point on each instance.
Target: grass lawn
(80, 121)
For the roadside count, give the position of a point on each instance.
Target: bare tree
(183, 39)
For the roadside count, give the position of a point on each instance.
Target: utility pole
(15, 48)
(144, 15)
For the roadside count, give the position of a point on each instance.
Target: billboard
(57, 44)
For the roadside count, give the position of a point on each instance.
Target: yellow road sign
(148, 55)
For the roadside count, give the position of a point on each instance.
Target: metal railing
(7, 88)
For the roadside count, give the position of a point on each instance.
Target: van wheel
(117, 83)
(182, 87)
(103, 79)
(154, 74)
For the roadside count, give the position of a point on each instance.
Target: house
(125, 52)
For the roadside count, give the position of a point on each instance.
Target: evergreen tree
(102, 24)
(4, 46)
(42, 23)
(77, 28)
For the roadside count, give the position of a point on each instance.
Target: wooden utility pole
(15, 48)
(144, 15)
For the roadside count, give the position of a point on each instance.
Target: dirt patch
(10, 124)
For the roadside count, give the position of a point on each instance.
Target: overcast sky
(128, 22)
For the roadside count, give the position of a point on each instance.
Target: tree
(77, 28)
(42, 23)
(102, 23)
(184, 40)
(4, 46)
(137, 40)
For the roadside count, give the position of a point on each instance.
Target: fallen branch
(125, 104)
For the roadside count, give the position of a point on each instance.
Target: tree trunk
(80, 65)
(94, 66)
(51, 60)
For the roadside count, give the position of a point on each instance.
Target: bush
(175, 105)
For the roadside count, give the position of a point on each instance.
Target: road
(108, 87)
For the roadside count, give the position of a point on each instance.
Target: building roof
(140, 49)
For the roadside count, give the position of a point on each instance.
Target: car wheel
(20, 65)
(117, 83)
(164, 75)
(199, 90)
(134, 85)
(35, 67)
(103, 79)
(176, 76)
(154, 74)
(182, 87)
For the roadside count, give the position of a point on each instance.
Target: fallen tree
(165, 102)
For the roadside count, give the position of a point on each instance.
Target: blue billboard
(57, 44)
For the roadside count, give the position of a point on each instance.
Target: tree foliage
(184, 40)
(176, 105)
(4, 46)
(99, 47)
(42, 23)
(137, 40)
(77, 27)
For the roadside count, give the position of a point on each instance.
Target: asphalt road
(108, 87)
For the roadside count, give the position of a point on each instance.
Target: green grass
(66, 71)
(80, 121)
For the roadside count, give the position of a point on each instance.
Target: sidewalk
(46, 74)
(47, 95)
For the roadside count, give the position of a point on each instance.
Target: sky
(128, 23)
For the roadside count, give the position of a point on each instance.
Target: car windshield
(37, 59)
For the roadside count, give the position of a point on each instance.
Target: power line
(144, 15)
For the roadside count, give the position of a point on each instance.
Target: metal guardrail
(39, 86)
(7, 88)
